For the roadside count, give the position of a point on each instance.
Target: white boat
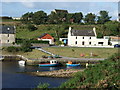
(1, 58)
(21, 62)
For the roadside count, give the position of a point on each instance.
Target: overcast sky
(17, 9)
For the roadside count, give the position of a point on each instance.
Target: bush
(39, 41)
(31, 27)
(13, 49)
(45, 85)
(26, 46)
(20, 41)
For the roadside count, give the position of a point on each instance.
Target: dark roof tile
(7, 29)
(82, 33)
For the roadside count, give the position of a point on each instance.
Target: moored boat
(21, 62)
(1, 58)
(51, 64)
(71, 64)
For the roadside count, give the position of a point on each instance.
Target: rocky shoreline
(57, 73)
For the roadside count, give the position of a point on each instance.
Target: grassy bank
(75, 52)
(104, 75)
(35, 54)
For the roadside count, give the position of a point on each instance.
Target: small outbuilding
(46, 37)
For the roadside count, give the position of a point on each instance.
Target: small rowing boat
(71, 64)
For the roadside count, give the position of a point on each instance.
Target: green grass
(75, 52)
(23, 32)
(68, 52)
(35, 54)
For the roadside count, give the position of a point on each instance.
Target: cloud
(28, 4)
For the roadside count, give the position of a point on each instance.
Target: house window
(83, 37)
(100, 42)
(90, 37)
(83, 43)
(89, 43)
(76, 42)
(8, 41)
(8, 35)
(76, 37)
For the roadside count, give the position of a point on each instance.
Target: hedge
(19, 41)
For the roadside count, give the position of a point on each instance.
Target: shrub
(26, 46)
(44, 85)
(31, 27)
(13, 49)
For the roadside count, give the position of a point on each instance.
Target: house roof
(42, 35)
(58, 10)
(115, 38)
(46, 36)
(82, 33)
(7, 29)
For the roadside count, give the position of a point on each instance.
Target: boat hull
(48, 65)
(72, 65)
(21, 62)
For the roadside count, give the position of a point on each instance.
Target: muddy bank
(57, 73)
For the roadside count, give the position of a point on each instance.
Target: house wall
(51, 41)
(7, 38)
(81, 40)
(115, 42)
(105, 42)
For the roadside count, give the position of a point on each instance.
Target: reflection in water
(22, 67)
(52, 68)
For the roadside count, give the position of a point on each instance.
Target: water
(12, 79)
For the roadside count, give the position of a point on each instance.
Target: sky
(17, 9)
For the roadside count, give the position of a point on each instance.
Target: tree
(77, 17)
(31, 27)
(26, 46)
(27, 18)
(112, 27)
(56, 18)
(53, 18)
(90, 18)
(40, 17)
(103, 17)
(69, 18)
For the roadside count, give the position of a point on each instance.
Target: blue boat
(51, 64)
(71, 64)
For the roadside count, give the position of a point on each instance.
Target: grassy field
(35, 54)
(75, 52)
(68, 52)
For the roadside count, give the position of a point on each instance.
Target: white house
(7, 34)
(85, 38)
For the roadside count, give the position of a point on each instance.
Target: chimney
(69, 33)
(70, 28)
(94, 30)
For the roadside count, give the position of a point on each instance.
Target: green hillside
(61, 30)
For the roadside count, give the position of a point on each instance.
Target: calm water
(12, 79)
